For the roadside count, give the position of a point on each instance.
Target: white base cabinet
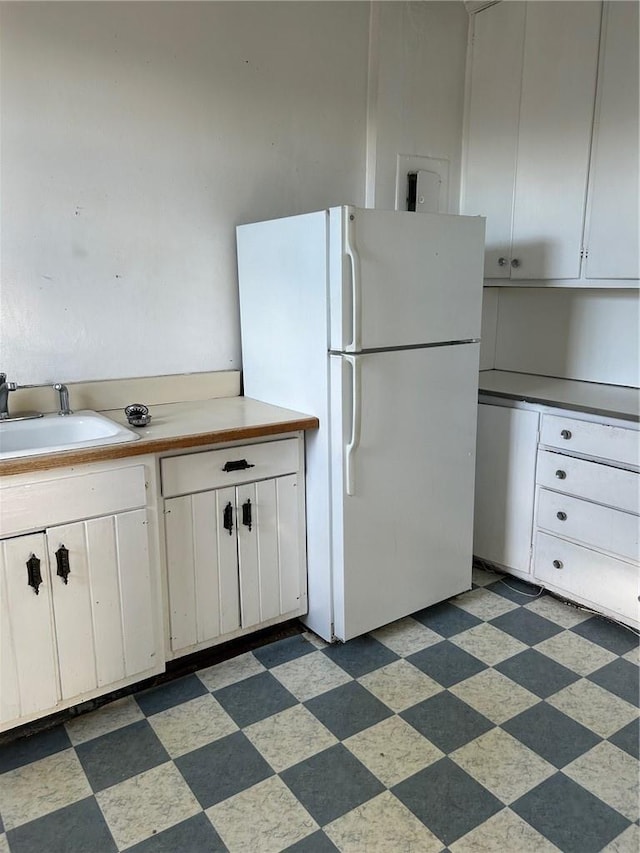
(235, 550)
(505, 473)
(79, 601)
(561, 506)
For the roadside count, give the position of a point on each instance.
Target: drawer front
(44, 504)
(591, 480)
(213, 469)
(599, 526)
(593, 439)
(586, 574)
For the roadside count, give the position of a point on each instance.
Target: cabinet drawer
(599, 526)
(213, 469)
(591, 480)
(593, 439)
(606, 582)
(42, 504)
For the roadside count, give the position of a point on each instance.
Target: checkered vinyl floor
(498, 721)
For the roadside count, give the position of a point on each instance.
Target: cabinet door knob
(34, 577)
(560, 474)
(558, 564)
(502, 262)
(561, 516)
(566, 433)
(515, 262)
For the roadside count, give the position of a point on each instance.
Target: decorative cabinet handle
(558, 564)
(62, 559)
(566, 433)
(33, 573)
(227, 518)
(237, 465)
(246, 514)
(561, 516)
(515, 263)
(560, 474)
(502, 262)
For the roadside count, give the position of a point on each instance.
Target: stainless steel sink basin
(53, 433)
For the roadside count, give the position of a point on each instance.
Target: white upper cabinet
(532, 87)
(612, 215)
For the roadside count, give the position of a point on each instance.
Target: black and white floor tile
(499, 721)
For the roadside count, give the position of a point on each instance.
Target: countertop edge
(569, 395)
(144, 447)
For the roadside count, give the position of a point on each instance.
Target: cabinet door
(492, 127)
(28, 664)
(612, 238)
(268, 549)
(202, 566)
(556, 115)
(505, 485)
(103, 607)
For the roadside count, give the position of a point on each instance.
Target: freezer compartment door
(399, 279)
(402, 463)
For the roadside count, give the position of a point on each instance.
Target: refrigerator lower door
(402, 465)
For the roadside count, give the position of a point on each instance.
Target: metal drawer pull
(566, 433)
(62, 559)
(515, 263)
(560, 474)
(558, 564)
(33, 573)
(227, 518)
(237, 465)
(502, 262)
(561, 516)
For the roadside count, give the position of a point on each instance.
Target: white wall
(135, 136)
(418, 92)
(591, 335)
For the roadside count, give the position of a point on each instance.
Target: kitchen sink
(53, 433)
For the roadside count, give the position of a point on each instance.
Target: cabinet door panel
(504, 490)
(28, 664)
(104, 596)
(202, 567)
(134, 567)
(492, 127)
(556, 116)
(178, 522)
(290, 556)
(73, 611)
(249, 556)
(612, 241)
(228, 562)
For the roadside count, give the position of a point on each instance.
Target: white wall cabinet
(505, 481)
(612, 231)
(86, 618)
(531, 97)
(236, 549)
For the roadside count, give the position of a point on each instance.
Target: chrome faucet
(5, 387)
(63, 393)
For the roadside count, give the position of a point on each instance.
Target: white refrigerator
(370, 320)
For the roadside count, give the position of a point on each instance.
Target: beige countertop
(614, 401)
(177, 426)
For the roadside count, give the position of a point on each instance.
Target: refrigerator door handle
(354, 258)
(356, 416)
